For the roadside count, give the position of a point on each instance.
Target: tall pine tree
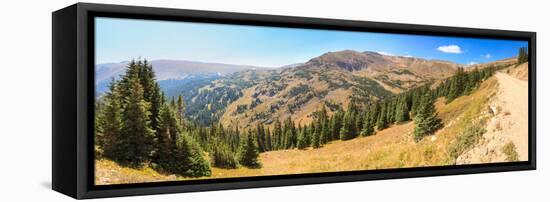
(136, 147)
(248, 152)
(181, 111)
(402, 110)
(110, 122)
(426, 119)
(522, 55)
(190, 161)
(303, 139)
(382, 121)
(348, 130)
(316, 136)
(368, 126)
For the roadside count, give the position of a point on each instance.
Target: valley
(278, 108)
(181, 101)
(393, 147)
(334, 79)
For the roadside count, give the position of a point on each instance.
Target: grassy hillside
(333, 79)
(298, 92)
(390, 148)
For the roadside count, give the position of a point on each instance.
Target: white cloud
(487, 56)
(450, 49)
(408, 56)
(473, 63)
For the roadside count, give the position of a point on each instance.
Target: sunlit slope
(390, 148)
(507, 136)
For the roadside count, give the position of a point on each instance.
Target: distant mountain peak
(167, 69)
(346, 59)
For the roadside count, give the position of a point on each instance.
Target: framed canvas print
(154, 100)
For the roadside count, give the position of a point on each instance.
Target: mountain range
(167, 70)
(247, 95)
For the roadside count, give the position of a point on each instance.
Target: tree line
(356, 120)
(137, 125)
(416, 104)
(522, 55)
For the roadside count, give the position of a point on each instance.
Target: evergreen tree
(323, 123)
(277, 133)
(289, 134)
(368, 126)
(268, 139)
(151, 90)
(522, 55)
(248, 152)
(352, 109)
(426, 120)
(415, 100)
(157, 100)
(166, 140)
(99, 138)
(236, 142)
(336, 125)
(142, 72)
(348, 130)
(316, 136)
(222, 156)
(213, 130)
(457, 85)
(390, 110)
(173, 103)
(203, 137)
(330, 137)
(137, 136)
(260, 137)
(402, 111)
(302, 139)
(190, 161)
(373, 112)
(473, 79)
(359, 121)
(324, 137)
(323, 113)
(110, 123)
(132, 73)
(220, 131)
(382, 122)
(137, 127)
(181, 111)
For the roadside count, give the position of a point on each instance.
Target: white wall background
(25, 99)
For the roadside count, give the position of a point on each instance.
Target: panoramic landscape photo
(178, 101)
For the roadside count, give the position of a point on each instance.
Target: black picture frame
(73, 98)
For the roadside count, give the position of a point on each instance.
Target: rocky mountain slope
(333, 79)
(247, 95)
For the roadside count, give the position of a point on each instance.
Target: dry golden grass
(390, 148)
(109, 172)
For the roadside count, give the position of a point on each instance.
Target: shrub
(248, 152)
(510, 150)
(466, 140)
(222, 157)
(186, 159)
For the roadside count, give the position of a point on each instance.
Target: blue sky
(123, 39)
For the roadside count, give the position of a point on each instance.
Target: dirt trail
(508, 124)
(514, 100)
